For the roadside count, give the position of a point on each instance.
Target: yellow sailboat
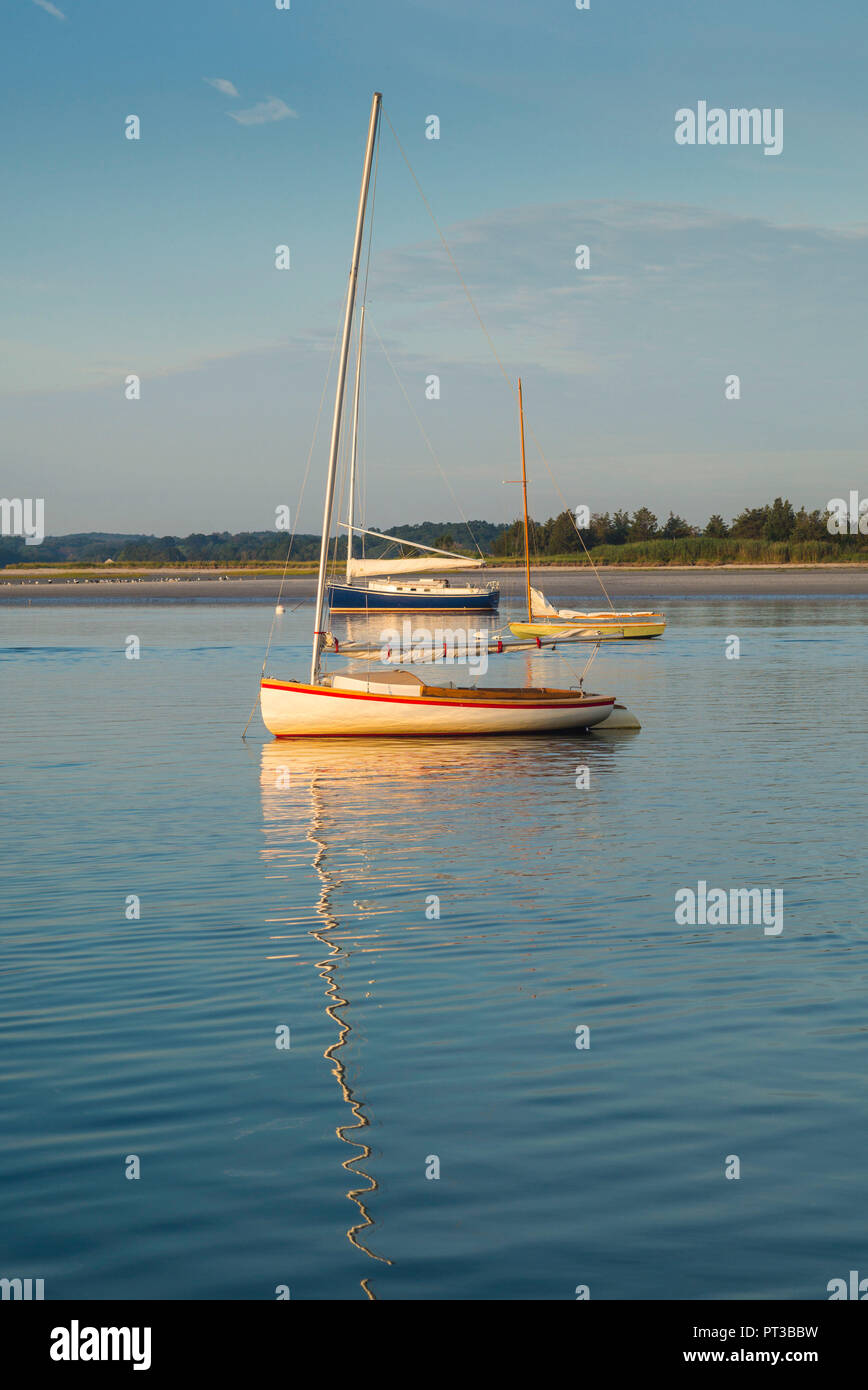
(544, 620)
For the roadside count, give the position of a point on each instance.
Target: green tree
(676, 528)
(779, 522)
(151, 548)
(809, 526)
(643, 526)
(510, 541)
(608, 530)
(750, 523)
(716, 528)
(619, 531)
(563, 538)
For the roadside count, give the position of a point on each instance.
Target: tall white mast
(355, 443)
(339, 394)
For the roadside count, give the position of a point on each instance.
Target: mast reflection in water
(384, 824)
(283, 773)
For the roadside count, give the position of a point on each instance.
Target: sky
(156, 257)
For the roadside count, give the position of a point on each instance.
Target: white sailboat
(390, 702)
(370, 584)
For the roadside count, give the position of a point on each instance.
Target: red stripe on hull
(421, 701)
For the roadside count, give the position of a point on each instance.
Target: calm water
(307, 906)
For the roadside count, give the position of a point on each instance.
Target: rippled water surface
(295, 885)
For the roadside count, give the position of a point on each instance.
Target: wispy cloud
(683, 279)
(49, 8)
(264, 111)
(221, 83)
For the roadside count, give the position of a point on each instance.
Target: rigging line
(360, 491)
(298, 506)
(250, 720)
(579, 676)
(347, 441)
(430, 446)
(569, 513)
(363, 471)
(332, 564)
(341, 476)
(371, 217)
(495, 354)
(342, 492)
(448, 251)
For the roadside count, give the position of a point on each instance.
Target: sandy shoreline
(209, 586)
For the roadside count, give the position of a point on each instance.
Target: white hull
(293, 710)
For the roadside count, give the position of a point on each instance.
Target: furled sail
(541, 604)
(358, 569)
(543, 609)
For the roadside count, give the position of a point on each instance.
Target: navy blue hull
(344, 598)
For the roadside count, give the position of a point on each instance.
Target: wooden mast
(350, 509)
(318, 634)
(524, 492)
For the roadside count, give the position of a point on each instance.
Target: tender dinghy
(620, 718)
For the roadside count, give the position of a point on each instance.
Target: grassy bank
(693, 551)
(707, 551)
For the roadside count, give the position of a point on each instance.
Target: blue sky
(157, 256)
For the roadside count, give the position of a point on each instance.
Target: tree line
(774, 522)
(777, 524)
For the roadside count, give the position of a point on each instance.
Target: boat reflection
(281, 787)
(373, 819)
